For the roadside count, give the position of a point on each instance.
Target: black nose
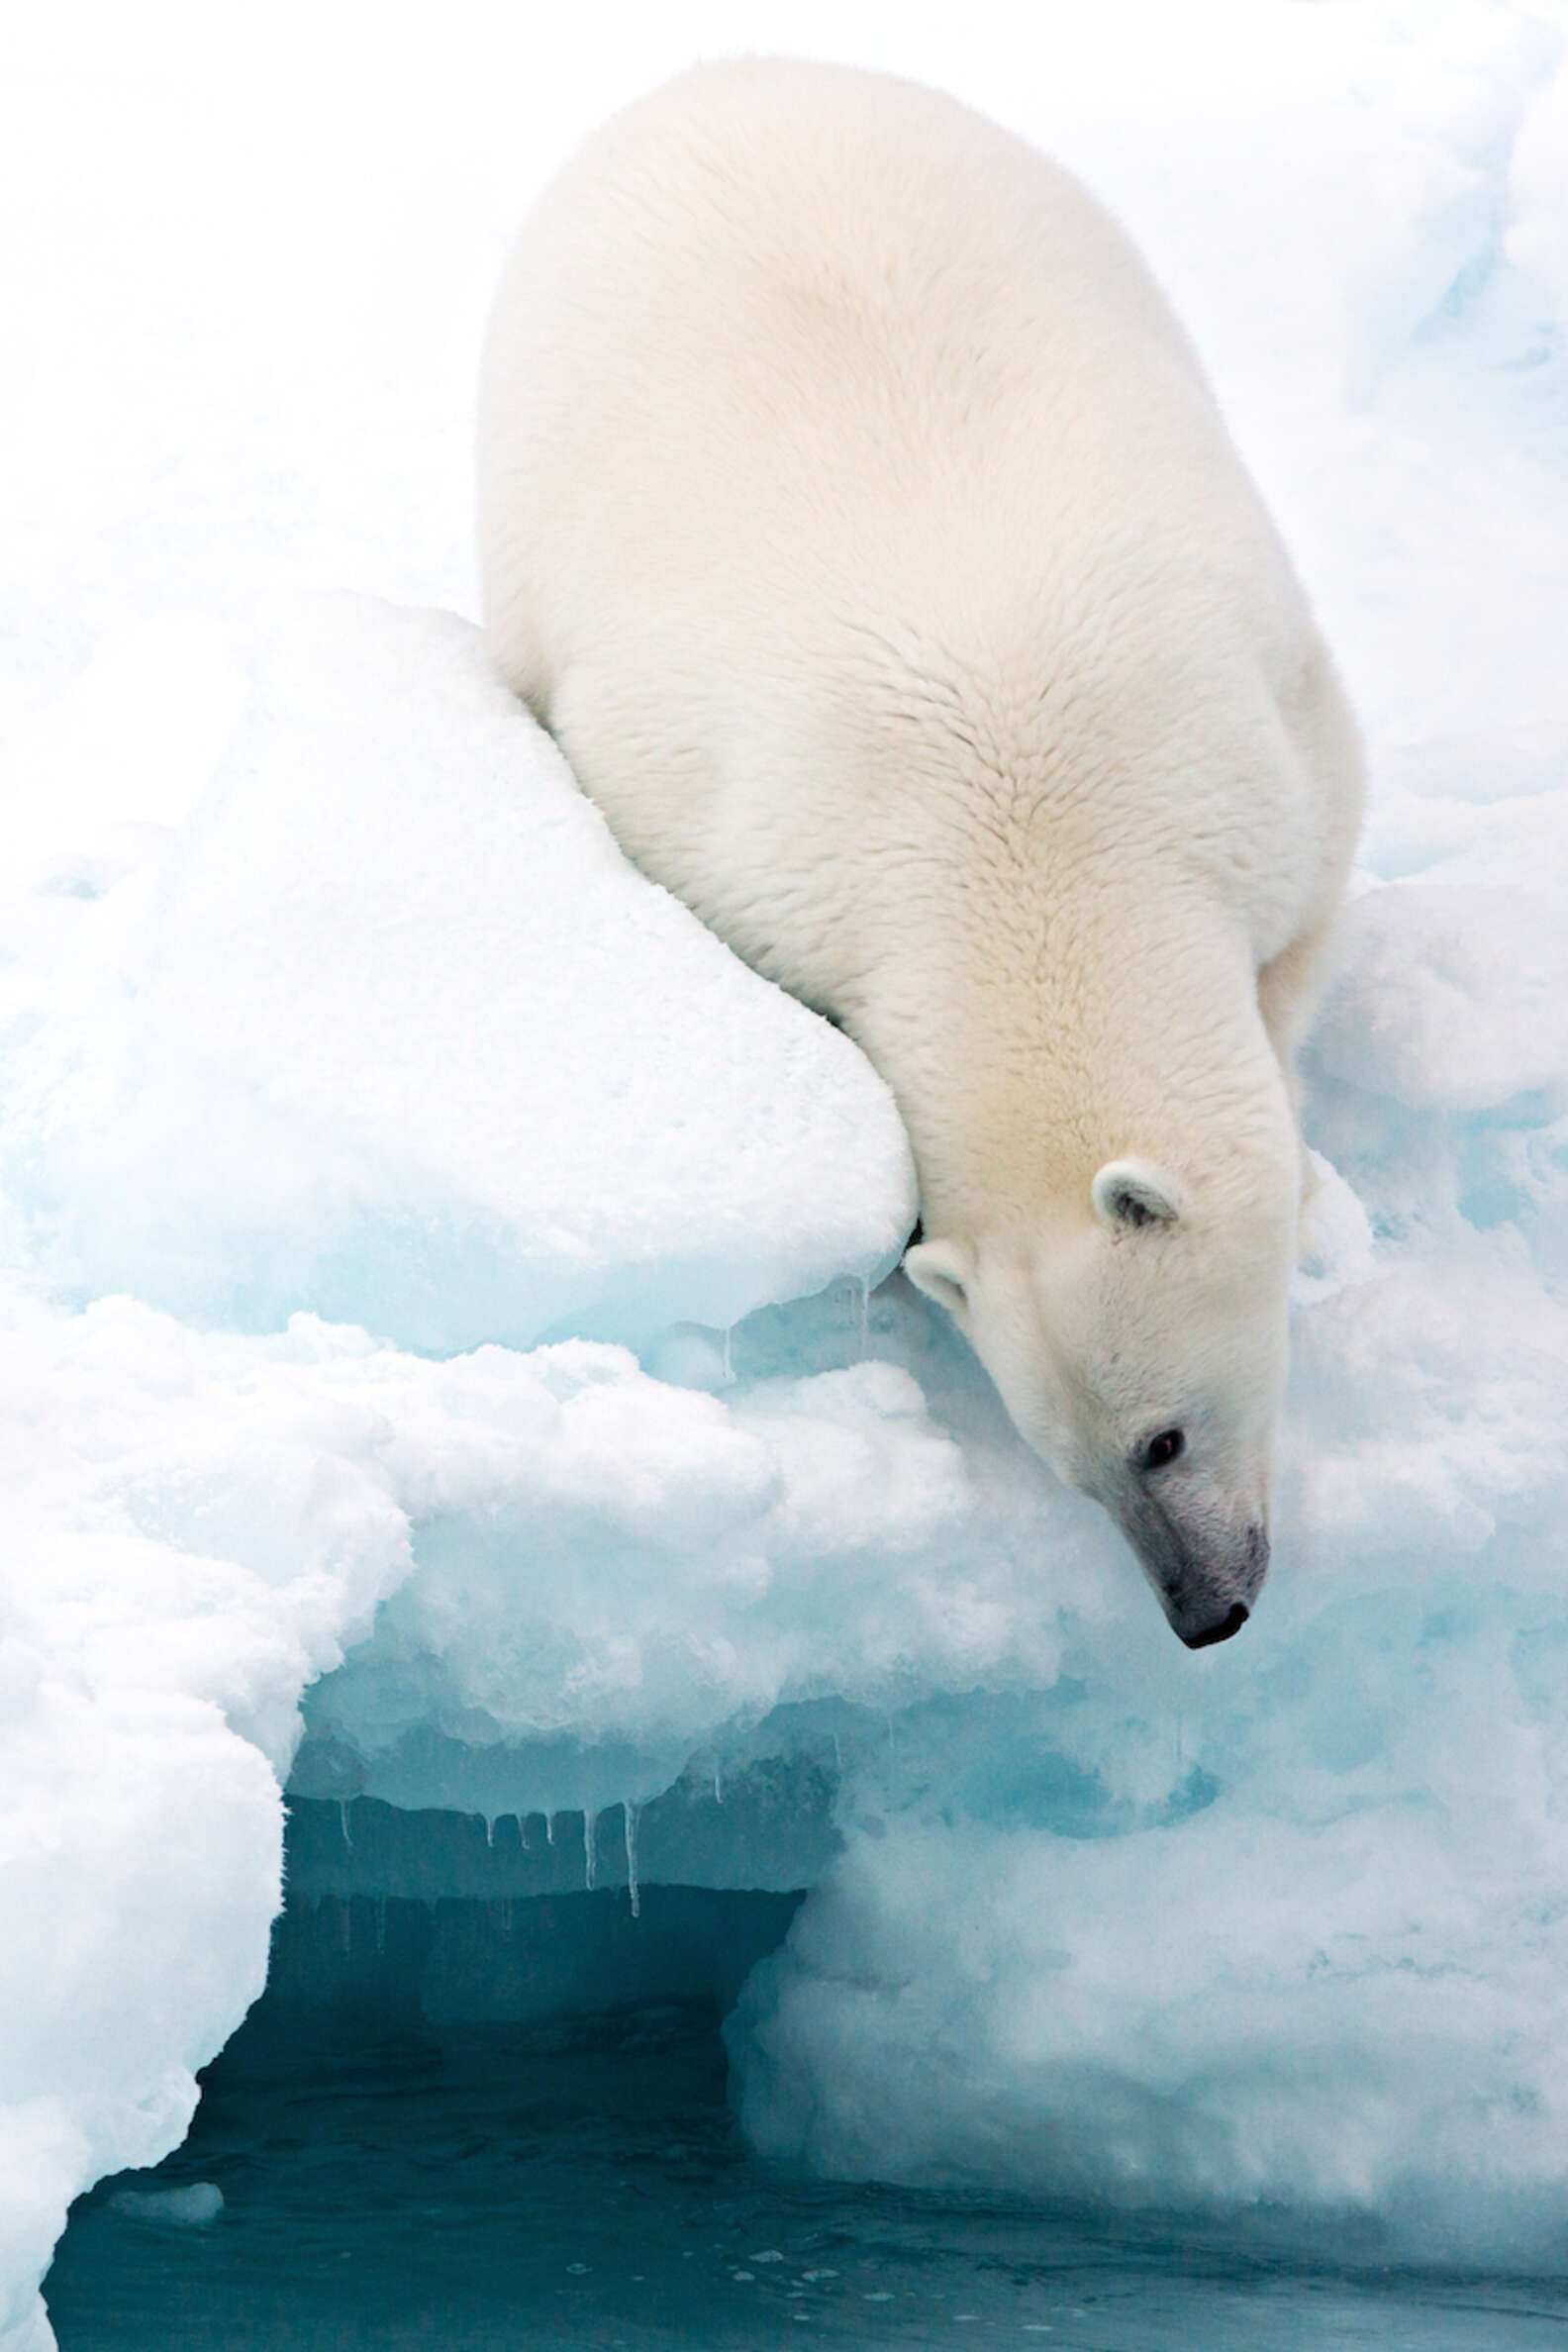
(1231, 1622)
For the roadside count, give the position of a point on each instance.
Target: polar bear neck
(1025, 1057)
(1062, 907)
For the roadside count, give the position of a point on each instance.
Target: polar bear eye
(1167, 1448)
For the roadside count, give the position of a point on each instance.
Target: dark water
(586, 2188)
(577, 2181)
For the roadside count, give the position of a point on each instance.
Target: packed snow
(438, 1284)
(306, 1050)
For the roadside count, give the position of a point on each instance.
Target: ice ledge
(388, 1025)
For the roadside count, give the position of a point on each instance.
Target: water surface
(580, 2183)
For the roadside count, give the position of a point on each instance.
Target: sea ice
(388, 1025)
(433, 1272)
(190, 2208)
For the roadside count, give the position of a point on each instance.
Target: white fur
(855, 513)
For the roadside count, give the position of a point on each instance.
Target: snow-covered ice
(303, 1049)
(431, 1270)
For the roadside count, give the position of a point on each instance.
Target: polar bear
(855, 514)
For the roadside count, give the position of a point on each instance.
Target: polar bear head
(1138, 1339)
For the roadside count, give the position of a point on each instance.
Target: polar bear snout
(1207, 1592)
(1204, 1557)
(1231, 1622)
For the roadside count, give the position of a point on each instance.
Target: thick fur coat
(856, 515)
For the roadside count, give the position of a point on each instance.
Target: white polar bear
(853, 512)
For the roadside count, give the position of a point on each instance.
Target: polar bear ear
(1131, 1192)
(943, 1270)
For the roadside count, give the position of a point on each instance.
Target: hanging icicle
(631, 1812)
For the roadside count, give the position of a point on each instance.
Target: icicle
(728, 1359)
(590, 1823)
(550, 1828)
(490, 1822)
(343, 1816)
(718, 1783)
(633, 1889)
(838, 1755)
(865, 1318)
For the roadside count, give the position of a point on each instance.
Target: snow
(433, 1272)
(307, 1051)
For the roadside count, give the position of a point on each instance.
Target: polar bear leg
(1287, 992)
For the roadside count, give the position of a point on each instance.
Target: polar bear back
(805, 384)
(777, 297)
